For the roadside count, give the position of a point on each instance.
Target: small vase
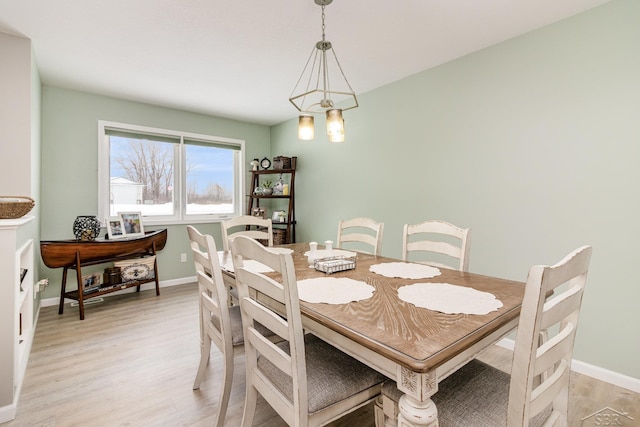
(86, 227)
(313, 254)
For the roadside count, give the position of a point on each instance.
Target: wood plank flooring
(132, 362)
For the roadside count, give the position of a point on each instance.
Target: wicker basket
(12, 207)
(279, 236)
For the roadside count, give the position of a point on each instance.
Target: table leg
(414, 413)
(63, 288)
(155, 268)
(415, 407)
(80, 291)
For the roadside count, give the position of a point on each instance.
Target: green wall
(70, 165)
(533, 143)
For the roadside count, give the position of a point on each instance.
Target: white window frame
(180, 216)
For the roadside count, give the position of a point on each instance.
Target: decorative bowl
(13, 207)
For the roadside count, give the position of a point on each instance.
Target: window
(168, 176)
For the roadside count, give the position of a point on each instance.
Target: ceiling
(240, 59)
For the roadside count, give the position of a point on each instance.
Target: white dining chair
(255, 227)
(437, 243)
(360, 231)
(536, 393)
(305, 380)
(218, 322)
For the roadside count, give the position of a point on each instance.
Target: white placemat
(405, 270)
(333, 290)
(250, 264)
(448, 298)
(323, 253)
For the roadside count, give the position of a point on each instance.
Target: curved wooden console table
(75, 254)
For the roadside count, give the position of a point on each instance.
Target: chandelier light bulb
(335, 125)
(305, 127)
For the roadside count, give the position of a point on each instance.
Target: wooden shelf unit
(289, 226)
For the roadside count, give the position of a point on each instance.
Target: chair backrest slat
(257, 228)
(548, 391)
(560, 306)
(441, 243)
(353, 231)
(553, 349)
(438, 247)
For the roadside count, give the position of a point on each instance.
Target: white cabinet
(16, 311)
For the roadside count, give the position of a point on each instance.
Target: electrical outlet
(183, 257)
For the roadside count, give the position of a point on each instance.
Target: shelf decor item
(132, 224)
(86, 227)
(265, 163)
(281, 162)
(137, 269)
(13, 207)
(23, 274)
(278, 187)
(115, 228)
(112, 276)
(266, 188)
(260, 212)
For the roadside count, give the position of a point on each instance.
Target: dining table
(417, 347)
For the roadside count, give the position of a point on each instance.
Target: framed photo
(132, 223)
(115, 229)
(91, 281)
(279, 216)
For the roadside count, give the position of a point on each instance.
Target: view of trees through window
(144, 176)
(148, 163)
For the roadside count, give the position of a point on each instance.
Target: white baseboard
(8, 412)
(592, 371)
(147, 286)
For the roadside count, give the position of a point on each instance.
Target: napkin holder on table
(334, 264)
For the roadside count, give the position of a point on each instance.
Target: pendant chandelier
(321, 86)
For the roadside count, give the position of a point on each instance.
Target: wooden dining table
(414, 346)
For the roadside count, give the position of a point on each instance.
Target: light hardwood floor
(132, 362)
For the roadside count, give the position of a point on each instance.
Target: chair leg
(227, 380)
(378, 412)
(390, 410)
(250, 402)
(205, 353)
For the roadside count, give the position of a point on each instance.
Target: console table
(75, 254)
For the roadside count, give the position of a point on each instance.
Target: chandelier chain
(323, 26)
